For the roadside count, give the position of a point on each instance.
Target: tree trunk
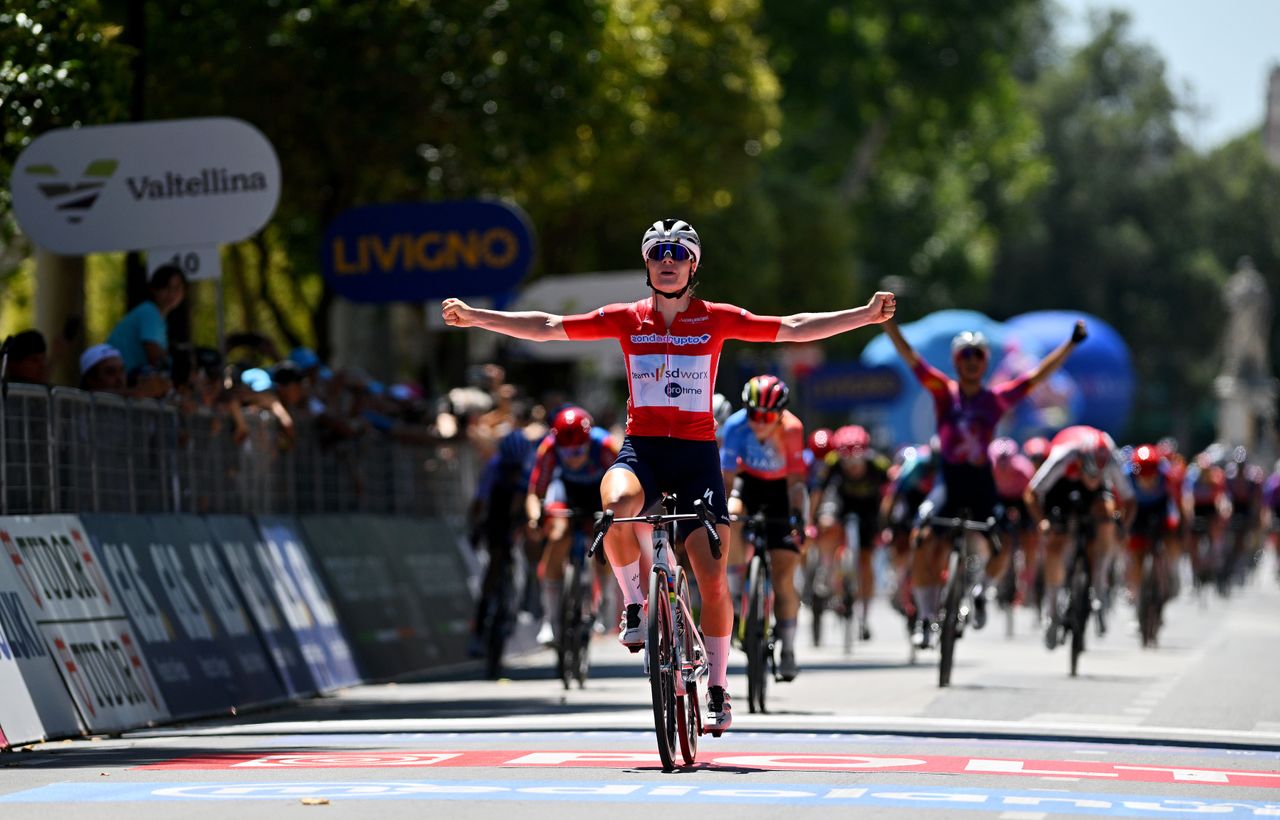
(59, 297)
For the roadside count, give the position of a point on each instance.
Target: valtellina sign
(427, 250)
(170, 183)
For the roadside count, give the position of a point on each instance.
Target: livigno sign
(428, 250)
(170, 183)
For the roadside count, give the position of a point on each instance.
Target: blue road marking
(417, 739)
(916, 797)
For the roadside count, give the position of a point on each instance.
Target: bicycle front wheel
(662, 667)
(755, 641)
(952, 595)
(688, 707)
(1078, 615)
(1148, 603)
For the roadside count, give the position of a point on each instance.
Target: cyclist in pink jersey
(671, 343)
(967, 414)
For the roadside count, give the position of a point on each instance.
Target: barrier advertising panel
(432, 575)
(191, 571)
(386, 621)
(241, 546)
(305, 603)
(34, 705)
(166, 615)
(65, 592)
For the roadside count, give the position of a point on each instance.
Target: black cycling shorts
(971, 491)
(772, 498)
(1059, 506)
(689, 469)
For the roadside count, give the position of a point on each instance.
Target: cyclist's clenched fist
(457, 313)
(882, 307)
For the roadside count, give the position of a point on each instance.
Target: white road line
(1090, 751)
(1063, 779)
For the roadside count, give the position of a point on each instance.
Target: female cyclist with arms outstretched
(671, 341)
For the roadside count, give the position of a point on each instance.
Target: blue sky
(1218, 53)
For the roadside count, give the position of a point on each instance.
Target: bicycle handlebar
(700, 513)
(985, 527)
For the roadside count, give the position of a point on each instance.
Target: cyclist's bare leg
(717, 611)
(621, 492)
(926, 572)
(866, 579)
(997, 562)
(551, 571)
(830, 536)
(783, 564)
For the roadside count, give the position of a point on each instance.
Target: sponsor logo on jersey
(668, 339)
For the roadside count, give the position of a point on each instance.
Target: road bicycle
(1080, 594)
(963, 566)
(675, 653)
(1153, 592)
(757, 610)
(834, 588)
(578, 607)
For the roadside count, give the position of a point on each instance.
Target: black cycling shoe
(979, 608)
(719, 711)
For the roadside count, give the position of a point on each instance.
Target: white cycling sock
(718, 660)
(629, 582)
(786, 631)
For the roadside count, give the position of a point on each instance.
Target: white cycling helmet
(969, 339)
(674, 231)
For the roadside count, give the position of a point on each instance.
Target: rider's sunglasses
(662, 250)
(972, 353)
(573, 453)
(763, 416)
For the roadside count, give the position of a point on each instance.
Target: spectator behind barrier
(102, 370)
(27, 358)
(141, 337)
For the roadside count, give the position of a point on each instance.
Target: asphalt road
(1190, 729)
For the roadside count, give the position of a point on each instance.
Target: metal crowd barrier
(66, 450)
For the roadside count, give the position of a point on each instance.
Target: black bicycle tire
(753, 633)
(1078, 612)
(661, 683)
(566, 646)
(688, 722)
(952, 594)
(849, 591)
(817, 603)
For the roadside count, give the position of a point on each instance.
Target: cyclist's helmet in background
(765, 393)
(1145, 460)
(821, 442)
(852, 441)
(970, 340)
(1002, 449)
(721, 408)
(572, 427)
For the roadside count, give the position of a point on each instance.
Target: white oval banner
(134, 186)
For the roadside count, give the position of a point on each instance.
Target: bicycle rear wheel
(755, 641)
(688, 707)
(819, 591)
(662, 667)
(952, 595)
(1148, 603)
(849, 594)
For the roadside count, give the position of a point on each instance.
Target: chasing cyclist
(671, 342)
(567, 469)
(762, 457)
(855, 485)
(1079, 483)
(967, 414)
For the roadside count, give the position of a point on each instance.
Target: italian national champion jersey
(671, 372)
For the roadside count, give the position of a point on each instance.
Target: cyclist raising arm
(671, 342)
(967, 414)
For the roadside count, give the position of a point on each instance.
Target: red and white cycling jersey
(671, 372)
(1069, 447)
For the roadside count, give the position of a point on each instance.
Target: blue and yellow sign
(428, 250)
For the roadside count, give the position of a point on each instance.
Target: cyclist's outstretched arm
(1059, 355)
(810, 327)
(533, 325)
(900, 344)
